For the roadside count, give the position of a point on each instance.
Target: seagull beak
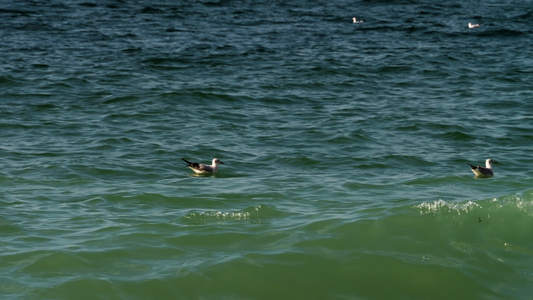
(220, 162)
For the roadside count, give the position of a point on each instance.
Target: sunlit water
(345, 150)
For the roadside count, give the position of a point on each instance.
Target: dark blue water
(345, 149)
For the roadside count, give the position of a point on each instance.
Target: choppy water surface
(345, 150)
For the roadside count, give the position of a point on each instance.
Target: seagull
(470, 25)
(484, 172)
(355, 20)
(202, 168)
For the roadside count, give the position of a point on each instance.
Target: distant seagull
(202, 168)
(470, 25)
(484, 172)
(355, 20)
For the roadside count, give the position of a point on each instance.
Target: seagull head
(216, 161)
(489, 162)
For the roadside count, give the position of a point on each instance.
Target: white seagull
(202, 168)
(486, 171)
(355, 20)
(470, 25)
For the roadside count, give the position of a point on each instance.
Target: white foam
(444, 206)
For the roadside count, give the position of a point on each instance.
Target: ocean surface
(345, 149)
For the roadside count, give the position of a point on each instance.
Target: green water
(345, 149)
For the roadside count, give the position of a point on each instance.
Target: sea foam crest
(445, 206)
(237, 215)
(251, 213)
(505, 205)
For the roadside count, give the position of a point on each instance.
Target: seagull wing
(201, 168)
(192, 165)
(481, 171)
(485, 171)
(205, 168)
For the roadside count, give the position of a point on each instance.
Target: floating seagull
(470, 25)
(355, 20)
(202, 168)
(484, 172)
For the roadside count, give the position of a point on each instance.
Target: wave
(508, 209)
(507, 33)
(251, 214)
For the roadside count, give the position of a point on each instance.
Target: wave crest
(507, 206)
(255, 213)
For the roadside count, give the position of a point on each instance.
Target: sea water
(345, 149)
